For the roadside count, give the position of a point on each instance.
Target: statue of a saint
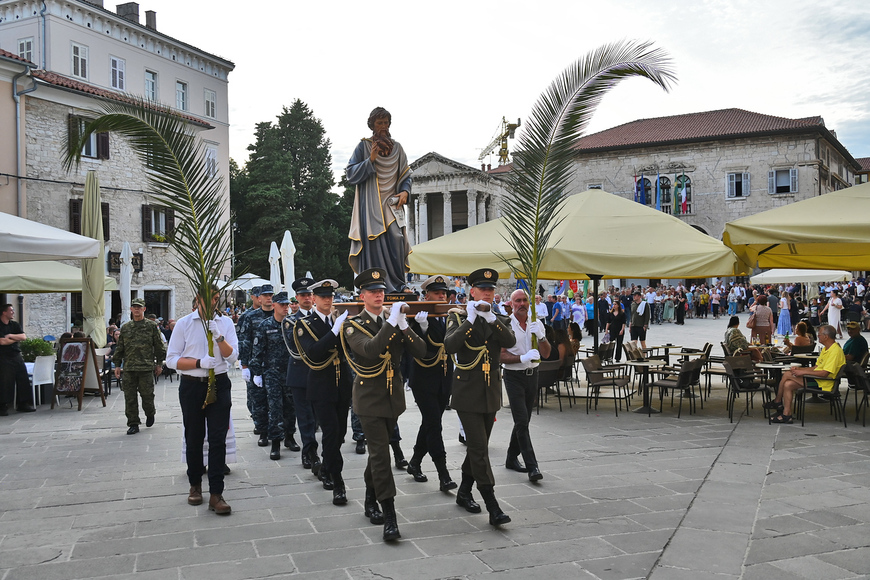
(379, 169)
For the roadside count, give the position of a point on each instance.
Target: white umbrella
(93, 277)
(274, 267)
(288, 250)
(244, 282)
(784, 276)
(23, 240)
(126, 281)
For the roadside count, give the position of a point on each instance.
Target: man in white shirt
(188, 354)
(541, 312)
(521, 382)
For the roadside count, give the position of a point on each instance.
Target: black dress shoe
(361, 447)
(227, 470)
(290, 443)
(263, 441)
(417, 473)
(514, 463)
(149, 420)
(372, 510)
(326, 479)
(306, 461)
(461, 439)
(256, 431)
(535, 474)
(315, 465)
(26, 408)
(133, 430)
(339, 496)
(466, 500)
(497, 519)
(275, 453)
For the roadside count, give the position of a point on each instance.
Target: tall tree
(287, 185)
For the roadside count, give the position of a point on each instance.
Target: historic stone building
(66, 58)
(863, 176)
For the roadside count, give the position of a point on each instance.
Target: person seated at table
(574, 336)
(800, 339)
(856, 347)
(737, 343)
(820, 376)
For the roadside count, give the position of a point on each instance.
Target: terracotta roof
(61, 81)
(864, 162)
(13, 56)
(501, 169)
(694, 127)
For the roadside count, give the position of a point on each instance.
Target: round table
(667, 348)
(645, 366)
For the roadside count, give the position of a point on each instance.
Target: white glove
(471, 311)
(538, 328)
(336, 326)
(208, 362)
(396, 313)
(403, 322)
(530, 356)
(246, 374)
(258, 380)
(488, 316)
(422, 319)
(213, 328)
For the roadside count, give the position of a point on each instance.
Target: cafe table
(665, 347)
(774, 370)
(643, 366)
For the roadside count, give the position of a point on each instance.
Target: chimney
(483, 166)
(489, 166)
(151, 19)
(128, 11)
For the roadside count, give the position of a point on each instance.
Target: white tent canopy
(23, 240)
(244, 282)
(784, 276)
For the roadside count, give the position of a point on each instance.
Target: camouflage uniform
(257, 403)
(141, 350)
(269, 358)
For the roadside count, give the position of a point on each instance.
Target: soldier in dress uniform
(297, 378)
(430, 380)
(330, 382)
(377, 346)
(242, 325)
(476, 337)
(257, 399)
(268, 364)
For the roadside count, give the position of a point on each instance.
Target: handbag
(751, 322)
(606, 337)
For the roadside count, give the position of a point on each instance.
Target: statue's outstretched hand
(403, 199)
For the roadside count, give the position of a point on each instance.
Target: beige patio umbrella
(602, 236)
(93, 275)
(829, 231)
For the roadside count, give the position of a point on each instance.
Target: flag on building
(642, 190)
(684, 204)
(658, 191)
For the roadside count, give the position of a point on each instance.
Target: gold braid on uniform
(439, 357)
(365, 372)
(481, 352)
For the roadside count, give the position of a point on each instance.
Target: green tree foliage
(287, 185)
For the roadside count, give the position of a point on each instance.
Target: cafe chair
(598, 376)
(684, 383)
(856, 378)
(43, 374)
(743, 384)
(550, 374)
(833, 397)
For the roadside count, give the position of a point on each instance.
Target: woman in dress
(616, 327)
(763, 320)
(668, 314)
(784, 325)
(833, 308)
(680, 307)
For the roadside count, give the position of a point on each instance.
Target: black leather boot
(414, 469)
(276, 449)
(339, 494)
(464, 497)
(391, 527)
(401, 462)
(372, 511)
(445, 483)
(496, 516)
(264, 440)
(326, 480)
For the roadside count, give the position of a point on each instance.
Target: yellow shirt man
(830, 359)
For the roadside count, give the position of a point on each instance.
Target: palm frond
(180, 179)
(543, 165)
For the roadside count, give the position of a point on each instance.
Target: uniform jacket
(269, 354)
(427, 374)
(471, 390)
(140, 346)
(248, 323)
(319, 344)
(368, 340)
(297, 371)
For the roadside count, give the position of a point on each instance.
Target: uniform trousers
(258, 404)
(138, 383)
(305, 417)
(522, 392)
(191, 395)
(274, 387)
(478, 427)
(13, 379)
(333, 427)
(378, 474)
(431, 404)
(289, 413)
(356, 427)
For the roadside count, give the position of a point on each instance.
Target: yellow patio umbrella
(602, 236)
(93, 275)
(829, 231)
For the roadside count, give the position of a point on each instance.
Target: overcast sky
(449, 70)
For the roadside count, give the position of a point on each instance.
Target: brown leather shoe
(195, 496)
(217, 504)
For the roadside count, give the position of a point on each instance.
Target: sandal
(772, 405)
(782, 419)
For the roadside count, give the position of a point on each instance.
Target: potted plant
(34, 347)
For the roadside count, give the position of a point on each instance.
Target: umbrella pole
(595, 280)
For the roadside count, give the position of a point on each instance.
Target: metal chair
(833, 396)
(743, 385)
(598, 376)
(856, 378)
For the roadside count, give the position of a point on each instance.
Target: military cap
(324, 287)
(434, 283)
(281, 298)
(137, 302)
(371, 279)
(483, 278)
(293, 300)
(302, 285)
(255, 291)
(266, 289)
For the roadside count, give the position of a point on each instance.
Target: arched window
(644, 188)
(684, 182)
(665, 189)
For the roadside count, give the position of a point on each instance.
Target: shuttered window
(157, 223)
(97, 145)
(75, 217)
(782, 181)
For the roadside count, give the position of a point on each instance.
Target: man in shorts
(640, 311)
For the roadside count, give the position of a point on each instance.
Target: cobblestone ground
(622, 497)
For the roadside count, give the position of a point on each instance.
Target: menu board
(77, 370)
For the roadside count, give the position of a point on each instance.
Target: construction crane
(500, 141)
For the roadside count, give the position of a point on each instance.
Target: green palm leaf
(181, 179)
(543, 165)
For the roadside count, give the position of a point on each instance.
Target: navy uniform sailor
(330, 382)
(476, 337)
(257, 399)
(376, 346)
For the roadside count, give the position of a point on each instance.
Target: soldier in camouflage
(256, 395)
(268, 364)
(141, 351)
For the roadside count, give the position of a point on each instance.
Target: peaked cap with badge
(434, 284)
(371, 279)
(324, 287)
(301, 285)
(483, 278)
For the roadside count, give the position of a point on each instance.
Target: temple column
(472, 207)
(481, 208)
(411, 228)
(422, 219)
(448, 214)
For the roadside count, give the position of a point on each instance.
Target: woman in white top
(833, 308)
(784, 325)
